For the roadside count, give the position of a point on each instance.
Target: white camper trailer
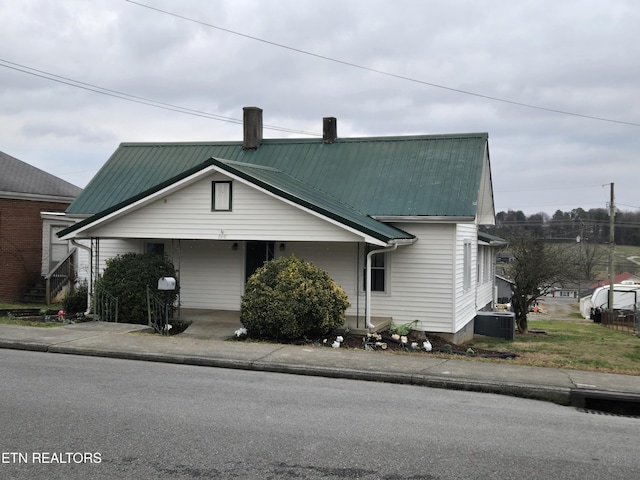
(625, 297)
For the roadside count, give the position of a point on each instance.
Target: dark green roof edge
(229, 166)
(491, 239)
(135, 198)
(226, 165)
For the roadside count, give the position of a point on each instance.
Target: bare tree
(589, 256)
(537, 266)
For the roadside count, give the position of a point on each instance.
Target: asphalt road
(84, 417)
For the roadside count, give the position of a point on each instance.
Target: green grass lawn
(28, 323)
(574, 344)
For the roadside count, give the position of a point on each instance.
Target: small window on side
(466, 275)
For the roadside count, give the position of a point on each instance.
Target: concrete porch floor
(221, 324)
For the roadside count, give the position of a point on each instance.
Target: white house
(394, 220)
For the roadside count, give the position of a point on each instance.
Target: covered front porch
(221, 324)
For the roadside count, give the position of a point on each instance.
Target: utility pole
(611, 252)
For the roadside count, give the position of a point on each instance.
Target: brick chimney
(329, 129)
(252, 123)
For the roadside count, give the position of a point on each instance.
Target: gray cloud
(574, 56)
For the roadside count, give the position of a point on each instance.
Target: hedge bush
(76, 300)
(289, 299)
(127, 277)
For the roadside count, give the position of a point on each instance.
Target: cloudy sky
(554, 83)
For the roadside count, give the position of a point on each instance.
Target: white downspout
(367, 295)
(90, 289)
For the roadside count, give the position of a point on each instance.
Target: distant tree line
(590, 226)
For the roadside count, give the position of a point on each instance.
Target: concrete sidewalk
(128, 341)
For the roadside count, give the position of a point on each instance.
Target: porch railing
(105, 305)
(60, 276)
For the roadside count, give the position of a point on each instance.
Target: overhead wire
(383, 72)
(134, 98)
(199, 113)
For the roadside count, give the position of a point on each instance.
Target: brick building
(26, 192)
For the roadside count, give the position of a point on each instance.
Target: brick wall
(21, 245)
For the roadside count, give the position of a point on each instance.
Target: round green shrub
(127, 276)
(288, 299)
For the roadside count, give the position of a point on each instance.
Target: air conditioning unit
(495, 324)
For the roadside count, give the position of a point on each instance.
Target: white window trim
(386, 268)
(223, 197)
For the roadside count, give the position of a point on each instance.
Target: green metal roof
(280, 184)
(294, 190)
(429, 175)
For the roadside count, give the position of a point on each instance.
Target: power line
(626, 205)
(569, 187)
(382, 72)
(134, 98)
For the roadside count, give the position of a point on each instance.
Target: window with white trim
(378, 271)
(221, 196)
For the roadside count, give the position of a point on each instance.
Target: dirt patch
(556, 308)
(386, 342)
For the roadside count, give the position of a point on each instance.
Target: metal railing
(158, 313)
(105, 305)
(623, 320)
(60, 276)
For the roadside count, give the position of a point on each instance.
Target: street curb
(558, 395)
(588, 399)
(19, 345)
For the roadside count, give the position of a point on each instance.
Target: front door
(257, 254)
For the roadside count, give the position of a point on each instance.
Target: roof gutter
(36, 197)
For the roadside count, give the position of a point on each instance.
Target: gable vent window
(221, 196)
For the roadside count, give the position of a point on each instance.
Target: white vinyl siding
(485, 287)
(83, 262)
(212, 272)
(465, 298)
(339, 261)
(186, 214)
(53, 249)
(420, 280)
(425, 278)
(211, 275)
(109, 248)
(486, 214)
